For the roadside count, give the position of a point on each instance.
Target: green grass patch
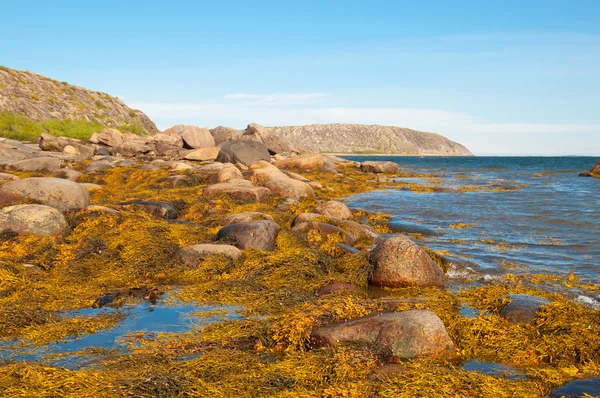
(21, 128)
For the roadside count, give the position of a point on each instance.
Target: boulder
(173, 140)
(379, 167)
(203, 154)
(99, 165)
(158, 209)
(32, 219)
(399, 262)
(108, 136)
(265, 174)
(12, 151)
(69, 174)
(193, 137)
(4, 177)
(132, 148)
(398, 226)
(275, 143)
(102, 151)
(355, 230)
(324, 231)
(51, 143)
(313, 161)
(180, 166)
(238, 190)
(55, 192)
(334, 209)
(243, 151)
(193, 254)
(245, 217)
(224, 134)
(227, 173)
(522, 308)
(37, 164)
(396, 335)
(336, 287)
(260, 235)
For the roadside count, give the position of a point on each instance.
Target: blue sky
(501, 77)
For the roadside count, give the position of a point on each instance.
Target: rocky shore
(334, 304)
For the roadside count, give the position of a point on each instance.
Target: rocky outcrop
(32, 219)
(358, 138)
(193, 137)
(40, 98)
(55, 192)
(396, 335)
(275, 143)
(399, 262)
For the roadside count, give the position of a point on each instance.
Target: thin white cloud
(275, 98)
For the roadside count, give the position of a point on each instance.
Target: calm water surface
(553, 223)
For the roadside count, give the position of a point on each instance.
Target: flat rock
(265, 174)
(55, 192)
(193, 254)
(522, 308)
(37, 164)
(399, 262)
(334, 209)
(245, 217)
(193, 137)
(260, 235)
(203, 154)
(313, 161)
(244, 152)
(238, 190)
(379, 167)
(32, 219)
(397, 335)
(99, 165)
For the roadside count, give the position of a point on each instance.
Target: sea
(534, 213)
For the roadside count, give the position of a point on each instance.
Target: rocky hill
(40, 98)
(369, 139)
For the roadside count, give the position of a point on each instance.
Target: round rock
(33, 219)
(399, 262)
(258, 235)
(522, 308)
(55, 192)
(193, 254)
(334, 209)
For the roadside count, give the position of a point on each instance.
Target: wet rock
(238, 190)
(99, 165)
(158, 209)
(33, 219)
(312, 161)
(397, 335)
(334, 209)
(578, 388)
(399, 227)
(379, 167)
(335, 287)
(245, 217)
(203, 154)
(324, 230)
(258, 235)
(193, 254)
(243, 151)
(347, 249)
(55, 192)
(37, 164)
(193, 137)
(265, 174)
(399, 262)
(110, 137)
(522, 308)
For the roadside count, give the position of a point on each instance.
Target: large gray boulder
(193, 137)
(274, 142)
(399, 262)
(243, 151)
(55, 192)
(260, 235)
(396, 335)
(224, 134)
(32, 219)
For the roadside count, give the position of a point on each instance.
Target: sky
(501, 77)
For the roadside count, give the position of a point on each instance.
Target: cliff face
(40, 98)
(369, 139)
